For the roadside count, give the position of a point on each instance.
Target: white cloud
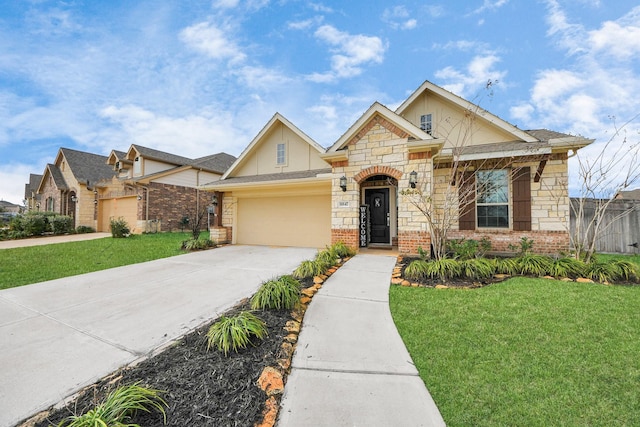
(398, 17)
(619, 39)
(212, 40)
(319, 7)
(468, 82)
(350, 53)
(193, 135)
(490, 5)
(13, 176)
(305, 24)
(225, 4)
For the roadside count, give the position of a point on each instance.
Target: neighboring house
(284, 189)
(68, 188)
(629, 194)
(154, 190)
(31, 196)
(9, 209)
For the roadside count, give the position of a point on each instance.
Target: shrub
(477, 268)
(197, 244)
(326, 258)
(82, 229)
(61, 224)
(506, 266)
(118, 408)
(602, 272)
(31, 224)
(463, 248)
(342, 251)
(566, 267)
(625, 270)
(308, 268)
(119, 228)
(534, 264)
(235, 332)
(424, 255)
(416, 270)
(443, 269)
(281, 293)
(524, 247)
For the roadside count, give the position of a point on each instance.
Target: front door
(378, 201)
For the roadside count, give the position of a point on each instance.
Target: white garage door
(303, 221)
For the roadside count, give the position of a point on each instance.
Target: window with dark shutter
(521, 186)
(467, 202)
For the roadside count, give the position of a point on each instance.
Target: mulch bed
(202, 388)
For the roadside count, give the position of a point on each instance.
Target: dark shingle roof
(217, 162)
(272, 177)
(152, 154)
(57, 176)
(32, 186)
(87, 167)
(546, 135)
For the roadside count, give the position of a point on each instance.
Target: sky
(201, 77)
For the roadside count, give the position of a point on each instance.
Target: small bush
(424, 255)
(326, 258)
(626, 270)
(477, 268)
(416, 270)
(534, 264)
(61, 224)
(119, 228)
(197, 244)
(601, 271)
(523, 247)
(566, 267)
(235, 332)
(506, 266)
(83, 229)
(32, 224)
(342, 251)
(463, 248)
(118, 408)
(277, 294)
(444, 269)
(308, 268)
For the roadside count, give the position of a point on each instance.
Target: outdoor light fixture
(413, 179)
(139, 197)
(95, 191)
(214, 200)
(74, 199)
(95, 202)
(343, 183)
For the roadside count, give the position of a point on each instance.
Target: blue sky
(199, 77)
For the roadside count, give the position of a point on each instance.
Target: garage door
(115, 208)
(285, 221)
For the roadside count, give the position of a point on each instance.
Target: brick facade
(544, 242)
(168, 204)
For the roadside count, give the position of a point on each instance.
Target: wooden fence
(623, 236)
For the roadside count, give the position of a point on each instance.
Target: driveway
(59, 336)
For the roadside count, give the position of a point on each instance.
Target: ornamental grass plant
(235, 332)
(277, 294)
(119, 407)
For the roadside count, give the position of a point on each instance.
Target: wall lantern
(413, 179)
(95, 202)
(95, 192)
(343, 183)
(139, 197)
(74, 198)
(214, 200)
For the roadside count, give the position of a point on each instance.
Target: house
(31, 196)
(629, 194)
(154, 190)
(67, 186)
(490, 178)
(9, 209)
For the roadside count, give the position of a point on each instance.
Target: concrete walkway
(59, 336)
(351, 367)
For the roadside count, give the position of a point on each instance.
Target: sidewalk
(58, 336)
(38, 241)
(351, 367)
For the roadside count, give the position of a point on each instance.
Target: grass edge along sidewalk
(33, 264)
(526, 351)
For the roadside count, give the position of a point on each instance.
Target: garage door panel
(116, 208)
(285, 221)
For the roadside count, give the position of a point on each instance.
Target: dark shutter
(521, 186)
(467, 202)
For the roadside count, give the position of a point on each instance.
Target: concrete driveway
(59, 336)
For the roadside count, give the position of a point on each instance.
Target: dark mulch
(202, 388)
(452, 283)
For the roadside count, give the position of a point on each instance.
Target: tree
(601, 177)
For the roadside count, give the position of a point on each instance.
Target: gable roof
(31, 187)
(216, 162)
(396, 121)
(55, 173)
(277, 118)
(153, 154)
(87, 168)
(467, 105)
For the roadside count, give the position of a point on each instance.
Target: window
(137, 166)
(426, 123)
(50, 206)
(492, 203)
(281, 154)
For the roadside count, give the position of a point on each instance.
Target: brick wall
(409, 241)
(347, 236)
(544, 242)
(170, 203)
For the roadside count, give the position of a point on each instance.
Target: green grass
(22, 266)
(526, 352)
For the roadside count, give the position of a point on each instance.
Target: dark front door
(378, 201)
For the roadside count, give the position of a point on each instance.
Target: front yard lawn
(22, 266)
(532, 352)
